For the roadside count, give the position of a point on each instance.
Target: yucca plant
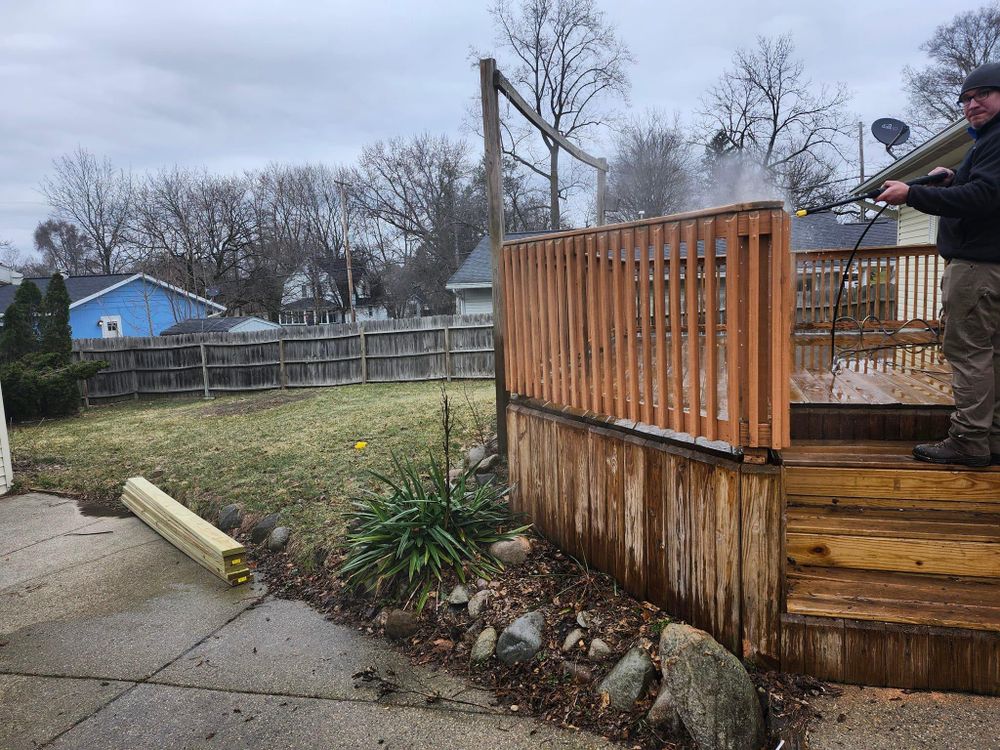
(402, 538)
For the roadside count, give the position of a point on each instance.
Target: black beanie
(985, 76)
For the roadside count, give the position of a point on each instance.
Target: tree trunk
(554, 186)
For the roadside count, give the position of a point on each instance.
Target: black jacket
(970, 207)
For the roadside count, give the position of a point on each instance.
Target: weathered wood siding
(698, 534)
(437, 348)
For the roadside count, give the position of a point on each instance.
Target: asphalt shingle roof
(79, 287)
(206, 325)
(815, 232)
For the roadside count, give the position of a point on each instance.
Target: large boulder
(710, 690)
(628, 679)
(521, 639)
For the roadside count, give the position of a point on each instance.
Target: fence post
(364, 356)
(84, 391)
(447, 353)
(204, 370)
(135, 375)
(282, 373)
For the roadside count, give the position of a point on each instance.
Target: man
(968, 202)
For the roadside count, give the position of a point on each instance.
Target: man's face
(980, 106)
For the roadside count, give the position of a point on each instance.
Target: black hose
(840, 292)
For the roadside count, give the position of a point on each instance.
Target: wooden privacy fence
(436, 348)
(887, 286)
(682, 322)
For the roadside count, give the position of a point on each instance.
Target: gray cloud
(235, 84)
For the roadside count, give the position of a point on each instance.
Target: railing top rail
(685, 216)
(815, 254)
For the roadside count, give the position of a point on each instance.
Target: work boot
(995, 459)
(946, 452)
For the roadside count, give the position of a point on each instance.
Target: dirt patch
(560, 588)
(243, 406)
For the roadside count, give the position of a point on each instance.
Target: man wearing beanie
(968, 202)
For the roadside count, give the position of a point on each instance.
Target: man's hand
(893, 192)
(946, 182)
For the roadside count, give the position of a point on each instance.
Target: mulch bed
(560, 588)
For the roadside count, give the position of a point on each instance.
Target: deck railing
(886, 287)
(681, 322)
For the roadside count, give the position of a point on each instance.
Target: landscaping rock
(628, 679)
(319, 556)
(454, 475)
(230, 517)
(478, 602)
(263, 529)
(488, 464)
(475, 455)
(521, 639)
(400, 624)
(278, 538)
(572, 640)
(483, 648)
(599, 650)
(512, 552)
(472, 632)
(458, 596)
(664, 712)
(711, 690)
(584, 619)
(484, 479)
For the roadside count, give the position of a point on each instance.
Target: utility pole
(861, 162)
(347, 251)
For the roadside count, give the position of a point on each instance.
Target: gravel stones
(458, 596)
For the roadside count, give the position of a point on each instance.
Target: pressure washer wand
(927, 179)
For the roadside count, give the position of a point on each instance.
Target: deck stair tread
(916, 599)
(870, 454)
(891, 523)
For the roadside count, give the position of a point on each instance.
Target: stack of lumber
(190, 533)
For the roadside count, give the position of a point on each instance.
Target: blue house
(126, 304)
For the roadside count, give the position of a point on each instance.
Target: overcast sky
(236, 84)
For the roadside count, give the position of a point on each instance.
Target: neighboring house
(473, 282)
(946, 149)
(235, 324)
(301, 308)
(122, 304)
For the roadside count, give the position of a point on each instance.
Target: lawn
(290, 451)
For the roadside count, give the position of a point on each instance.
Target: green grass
(276, 451)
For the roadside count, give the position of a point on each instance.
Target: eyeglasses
(979, 95)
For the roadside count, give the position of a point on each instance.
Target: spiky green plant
(401, 539)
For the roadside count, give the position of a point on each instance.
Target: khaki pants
(971, 344)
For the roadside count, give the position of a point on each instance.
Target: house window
(111, 326)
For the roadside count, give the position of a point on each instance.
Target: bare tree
(764, 117)
(570, 65)
(65, 248)
(420, 211)
(97, 197)
(652, 172)
(955, 49)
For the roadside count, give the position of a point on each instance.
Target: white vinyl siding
(915, 228)
(473, 301)
(6, 472)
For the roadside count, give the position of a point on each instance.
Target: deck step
(908, 541)
(945, 601)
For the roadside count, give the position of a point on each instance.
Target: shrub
(44, 385)
(401, 540)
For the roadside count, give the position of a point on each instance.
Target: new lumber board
(910, 484)
(232, 560)
(215, 551)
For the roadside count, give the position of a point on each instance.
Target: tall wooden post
(347, 251)
(494, 197)
(602, 179)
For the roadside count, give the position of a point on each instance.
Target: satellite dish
(891, 132)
